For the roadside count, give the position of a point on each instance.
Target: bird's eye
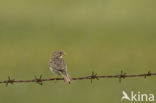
(61, 53)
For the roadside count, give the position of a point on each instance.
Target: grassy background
(100, 36)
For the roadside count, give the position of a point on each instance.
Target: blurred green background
(103, 36)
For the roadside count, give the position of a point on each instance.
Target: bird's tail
(66, 77)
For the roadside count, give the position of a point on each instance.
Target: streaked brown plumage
(58, 65)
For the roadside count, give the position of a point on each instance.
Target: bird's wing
(60, 65)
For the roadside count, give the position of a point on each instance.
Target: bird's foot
(54, 78)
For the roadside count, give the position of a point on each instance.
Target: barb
(40, 81)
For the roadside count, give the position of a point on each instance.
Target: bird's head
(59, 54)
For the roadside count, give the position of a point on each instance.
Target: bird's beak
(64, 53)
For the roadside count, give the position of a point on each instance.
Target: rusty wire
(40, 80)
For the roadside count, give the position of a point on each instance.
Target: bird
(58, 66)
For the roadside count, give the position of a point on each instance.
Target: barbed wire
(93, 75)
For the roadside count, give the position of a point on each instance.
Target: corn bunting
(58, 65)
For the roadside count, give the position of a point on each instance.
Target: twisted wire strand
(40, 80)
